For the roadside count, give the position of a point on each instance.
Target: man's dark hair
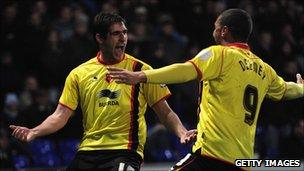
(238, 22)
(103, 21)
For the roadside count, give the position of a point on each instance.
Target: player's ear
(224, 31)
(99, 38)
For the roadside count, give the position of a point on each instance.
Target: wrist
(181, 132)
(142, 77)
(35, 132)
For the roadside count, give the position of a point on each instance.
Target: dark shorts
(106, 160)
(195, 162)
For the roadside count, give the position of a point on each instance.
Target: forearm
(173, 124)
(175, 73)
(50, 125)
(293, 91)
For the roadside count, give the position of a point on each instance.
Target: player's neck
(108, 59)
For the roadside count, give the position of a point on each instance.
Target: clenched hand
(188, 136)
(23, 133)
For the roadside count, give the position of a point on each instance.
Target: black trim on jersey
(135, 124)
(199, 98)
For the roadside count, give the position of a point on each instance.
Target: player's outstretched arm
(175, 73)
(294, 90)
(169, 119)
(50, 125)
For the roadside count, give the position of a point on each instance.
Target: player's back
(231, 101)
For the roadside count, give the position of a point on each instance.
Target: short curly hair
(239, 23)
(103, 21)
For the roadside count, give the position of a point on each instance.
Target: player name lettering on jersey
(252, 66)
(248, 162)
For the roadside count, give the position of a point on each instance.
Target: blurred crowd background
(41, 41)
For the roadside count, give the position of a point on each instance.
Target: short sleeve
(277, 86)
(209, 62)
(154, 92)
(70, 93)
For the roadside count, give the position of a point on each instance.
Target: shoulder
(145, 66)
(85, 66)
(211, 51)
(214, 48)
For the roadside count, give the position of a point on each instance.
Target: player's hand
(125, 76)
(188, 136)
(22, 133)
(299, 79)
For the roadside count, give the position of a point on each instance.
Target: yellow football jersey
(234, 82)
(113, 114)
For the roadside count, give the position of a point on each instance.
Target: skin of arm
(294, 90)
(169, 118)
(175, 73)
(51, 124)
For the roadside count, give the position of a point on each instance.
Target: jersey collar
(99, 59)
(239, 45)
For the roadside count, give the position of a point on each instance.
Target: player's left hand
(188, 136)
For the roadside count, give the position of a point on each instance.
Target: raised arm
(169, 119)
(294, 90)
(175, 73)
(50, 125)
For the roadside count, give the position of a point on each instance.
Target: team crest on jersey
(205, 54)
(109, 94)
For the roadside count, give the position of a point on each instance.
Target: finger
(115, 77)
(193, 137)
(13, 127)
(192, 133)
(114, 69)
(194, 130)
(299, 78)
(19, 133)
(116, 74)
(123, 81)
(118, 82)
(15, 131)
(113, 73)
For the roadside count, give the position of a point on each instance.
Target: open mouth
(120, 47)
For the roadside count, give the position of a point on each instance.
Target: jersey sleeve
(208, 62)
(154, 92)
(277, 86)
(70, 94)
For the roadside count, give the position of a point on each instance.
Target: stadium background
(41, 41)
